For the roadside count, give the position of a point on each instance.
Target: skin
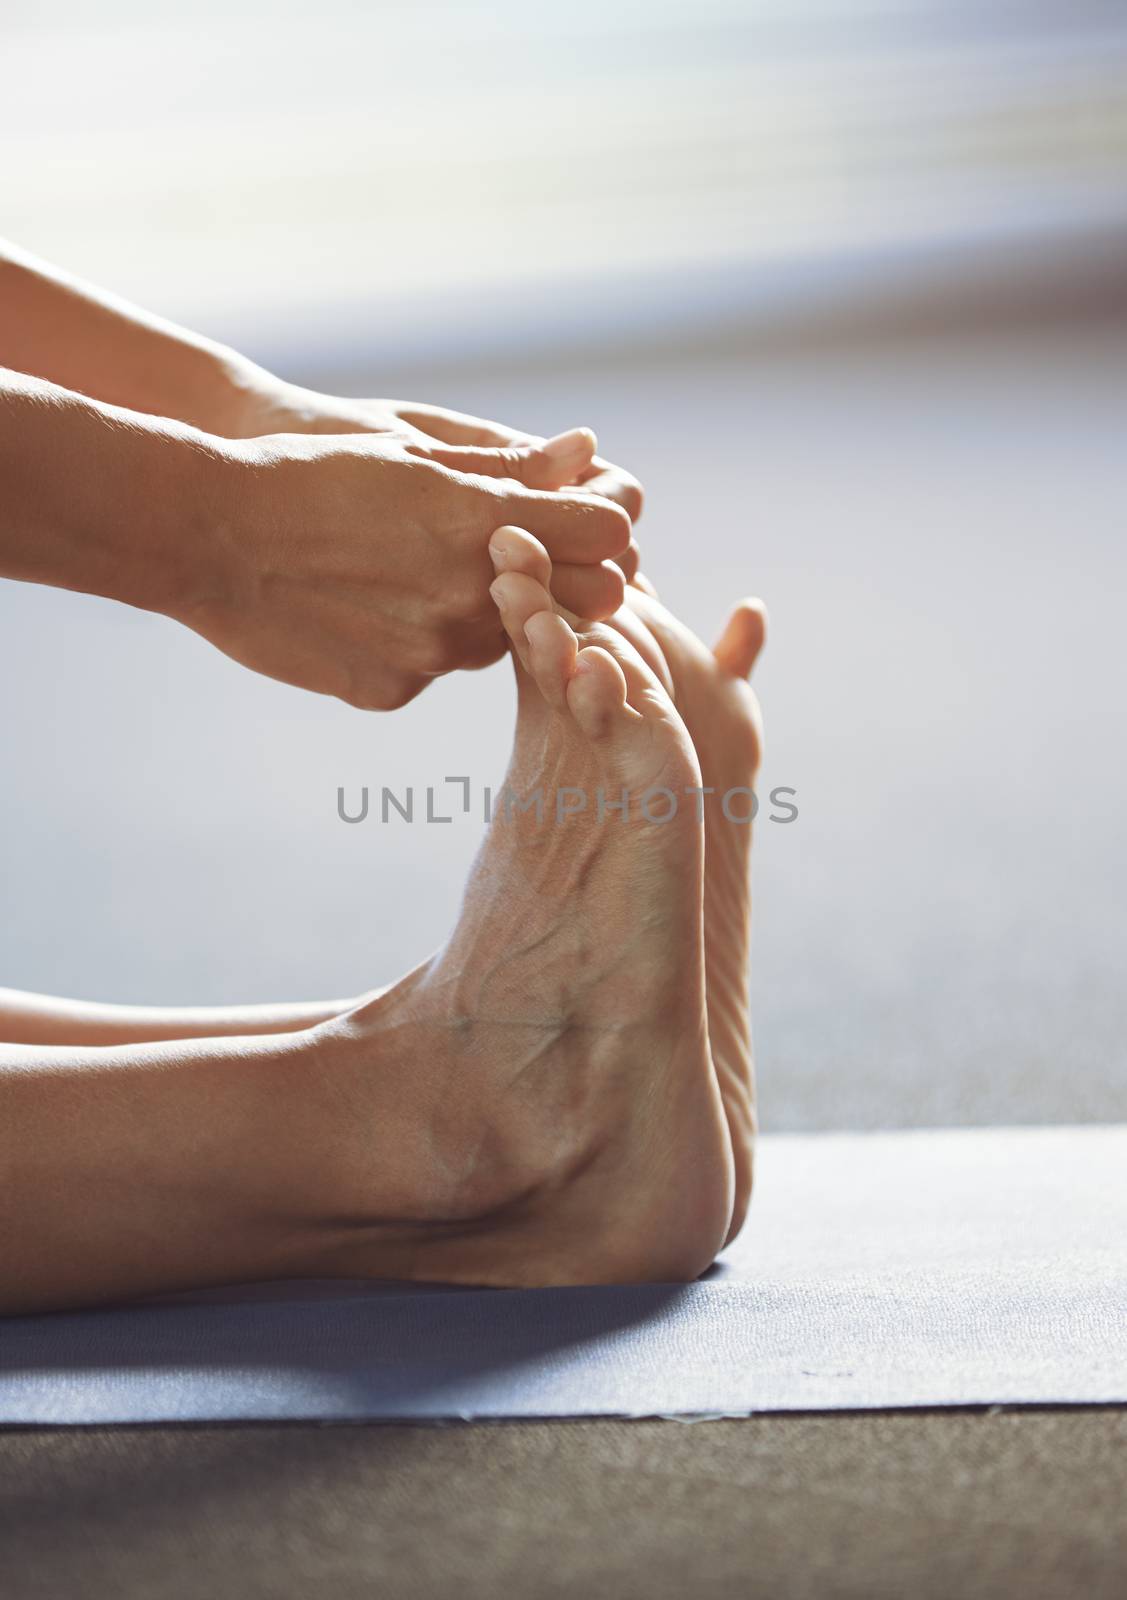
(57, 326)
(545, 1101)
(579, 1048)
(721, 714)
(48, 1019)
(340, 545)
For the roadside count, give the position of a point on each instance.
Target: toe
(519, 597)
(515, 550)
(633, 626)
(742, 638)
(596, 692)
(552, 648)
(629, 561)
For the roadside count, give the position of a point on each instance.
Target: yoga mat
(879, 1270)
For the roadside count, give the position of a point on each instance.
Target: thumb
(547, 465)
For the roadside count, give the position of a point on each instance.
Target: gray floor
(934, 1506)
(936, 523)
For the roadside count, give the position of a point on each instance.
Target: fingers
(572, 525)
(742, 638)
(593, 592)
(547, 465)
(543, 642)
(628, 562)
(547, 646)
(613, 483)
(457, 427)
(548, 649)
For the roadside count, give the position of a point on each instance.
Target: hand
(76, 336)
(358, 565)
(270, 406)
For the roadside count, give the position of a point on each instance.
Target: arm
(55, 326)
(352, 565)
(46, 1019)
(58, 327)
(106, 501)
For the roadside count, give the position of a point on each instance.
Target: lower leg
(46, 1019)
(144, 1169)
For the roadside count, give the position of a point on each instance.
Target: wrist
(247, 401)
(197, 558)
(161, 529)
(239, 400)
(255, 403)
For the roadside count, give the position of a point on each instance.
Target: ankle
(409, 1116)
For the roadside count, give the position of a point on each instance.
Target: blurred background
(844, 282)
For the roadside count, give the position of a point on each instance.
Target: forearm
(55, 326)
(43, 1019)
(107, 501)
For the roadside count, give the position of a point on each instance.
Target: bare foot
(721, 713)
(564, 1111)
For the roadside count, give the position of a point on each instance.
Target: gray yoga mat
(879, 1270)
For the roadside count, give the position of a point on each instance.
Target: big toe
(515, 550)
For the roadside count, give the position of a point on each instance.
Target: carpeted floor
(928, 1505)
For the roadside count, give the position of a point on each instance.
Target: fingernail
(497, 592)
(498, 556)
(575, 442)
